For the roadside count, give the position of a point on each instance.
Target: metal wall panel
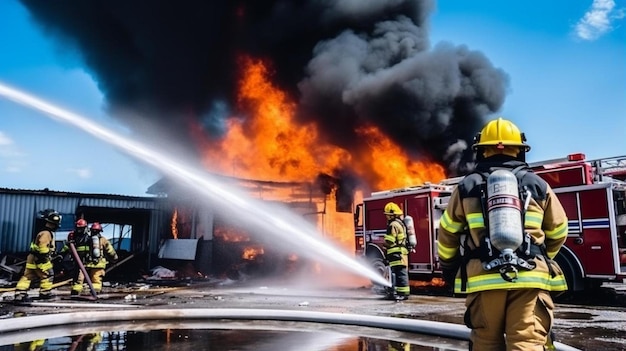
(19, 208)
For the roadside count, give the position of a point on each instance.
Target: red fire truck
(593, 194)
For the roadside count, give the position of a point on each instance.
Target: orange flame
(434, 282)
(251, 253)
(173, 224)
(395, 169)
(269, 144)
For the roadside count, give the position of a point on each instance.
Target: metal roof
(19, 210)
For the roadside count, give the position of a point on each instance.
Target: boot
(74, 294)
(401, 297)
(22, 297)
(47, 296)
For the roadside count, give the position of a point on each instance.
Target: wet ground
(582, 324)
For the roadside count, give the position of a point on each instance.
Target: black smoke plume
(348, 62)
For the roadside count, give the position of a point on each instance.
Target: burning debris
(282, 90)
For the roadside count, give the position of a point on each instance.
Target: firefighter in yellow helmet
(508, 303)
(39, 264)
(397, 252)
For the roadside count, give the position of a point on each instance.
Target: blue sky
(566, 61)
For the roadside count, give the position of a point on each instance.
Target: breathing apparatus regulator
(506, 228)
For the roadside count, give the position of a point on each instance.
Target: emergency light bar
(576, 157)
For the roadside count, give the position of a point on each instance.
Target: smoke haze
(348, 63)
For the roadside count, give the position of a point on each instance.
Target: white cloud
(4, 139)
(8, 148)
(598, 20)
(84, 173)
(13, 169)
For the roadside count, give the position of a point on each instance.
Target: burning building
(340, 96)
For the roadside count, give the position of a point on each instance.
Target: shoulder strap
(399, 220)
(520, 172)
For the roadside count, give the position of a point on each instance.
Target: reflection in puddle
(575, 315)
(224, 336)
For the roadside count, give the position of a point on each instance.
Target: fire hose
(80, 265)
(31, 323)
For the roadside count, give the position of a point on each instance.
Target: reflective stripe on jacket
(84, 246)
(545, 221)
(395, 237)
(41, 249)
(106, 252)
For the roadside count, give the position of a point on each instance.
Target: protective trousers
(44, 277)
(96, 276)
(509, 319)
(399, 267)
(36, 274)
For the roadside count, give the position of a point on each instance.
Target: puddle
(222, 336)
(596, 339)
(574, 315)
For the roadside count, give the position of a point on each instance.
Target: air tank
(504, 211)
(410, 231)
(95, 246)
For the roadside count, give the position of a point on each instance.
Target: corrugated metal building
(147, 216)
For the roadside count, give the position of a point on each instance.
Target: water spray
(277, 221)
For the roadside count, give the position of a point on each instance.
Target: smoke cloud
(348, 63)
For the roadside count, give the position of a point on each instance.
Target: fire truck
(592, 192)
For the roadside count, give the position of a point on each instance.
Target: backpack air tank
(410, 231)
(95, 246)
(504, 211)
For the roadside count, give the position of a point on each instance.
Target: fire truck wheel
(573, 276)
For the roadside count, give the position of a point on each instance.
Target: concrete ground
(581, 326)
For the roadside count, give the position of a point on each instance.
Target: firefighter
(39, 260)
(95, 252)
(78, 237)
(397, 252)
(509, 308)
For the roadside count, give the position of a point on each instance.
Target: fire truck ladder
(614, 167)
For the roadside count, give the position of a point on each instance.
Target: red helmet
(81, 223)
(96, 226)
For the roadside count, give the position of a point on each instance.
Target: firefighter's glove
(71, 237)
(449, 270)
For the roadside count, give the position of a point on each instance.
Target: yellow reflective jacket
(41, 250)
(395, 237)
(84, 249)
(544, 220)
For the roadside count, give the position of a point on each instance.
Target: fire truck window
(620, 202)
(358, 218)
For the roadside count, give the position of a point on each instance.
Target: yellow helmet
(392, 209)
(500, 133)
